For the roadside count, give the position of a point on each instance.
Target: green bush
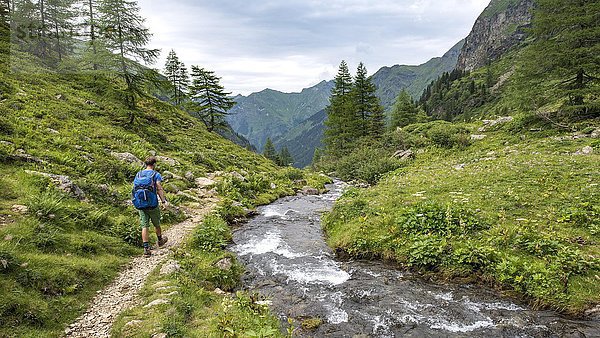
(213, 235)
(431, 218)
(367, 164)
(448, 135)
(426, 251)
(127, 230)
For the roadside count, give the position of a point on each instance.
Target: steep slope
(271, 113)
(500, 27)
(304, 139)
(391, 80)
(67, 157)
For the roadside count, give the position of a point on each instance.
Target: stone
(91, 103)
(404, 154)
(22, 156)
(189, 176)
(167, 160)
(459, 166)
(300, 182)
(224, 264)
(127, 158)
(61, 97)
(219, 292)
(133, 322)
(170, 267)
(52, 131)
(595, 133)
(63, 183)
(8, 238)
(157, 302)
(19, 209)
(273, 186)
(478, 137)
(204, 182)
(587, 150)
(310, 191)
(238, 176)
(159, 335)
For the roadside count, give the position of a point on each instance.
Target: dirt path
(121, 294)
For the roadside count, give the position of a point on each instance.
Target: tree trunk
(92, 32)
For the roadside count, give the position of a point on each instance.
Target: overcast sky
(288, 45)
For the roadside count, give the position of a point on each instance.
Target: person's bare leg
(158, 231)
(145, 235)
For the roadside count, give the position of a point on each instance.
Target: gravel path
(121, 294)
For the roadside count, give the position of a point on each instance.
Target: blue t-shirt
(158, 176)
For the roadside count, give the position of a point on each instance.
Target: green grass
(521, 214)
(57, 255)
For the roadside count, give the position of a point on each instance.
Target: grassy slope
(58, 254)
(522, 215)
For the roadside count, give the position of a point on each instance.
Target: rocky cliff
(500, 27)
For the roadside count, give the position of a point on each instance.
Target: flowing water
(288, 261)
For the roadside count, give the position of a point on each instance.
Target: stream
(289, 262)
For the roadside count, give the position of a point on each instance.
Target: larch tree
(61, 16)
(285, 158)
(126, 37)
(404, 111)
(269, 151)
(209, 100)
(90, 23)
(341, 126)
(562, 61)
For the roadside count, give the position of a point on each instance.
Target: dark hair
(150, 161)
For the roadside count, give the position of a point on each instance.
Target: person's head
(150, 162)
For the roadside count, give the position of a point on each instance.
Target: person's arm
(161, 192)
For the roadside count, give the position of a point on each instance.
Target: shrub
(426, 251)
(128, 231)
(367, 164)
(432, 218)
(213, 235)
(448, 135)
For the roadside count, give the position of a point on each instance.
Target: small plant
(213, 235)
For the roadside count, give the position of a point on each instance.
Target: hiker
(147, 188)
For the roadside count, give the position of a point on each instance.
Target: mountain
(390, 80)
(500, 27)
(271, 113)
(304, 139)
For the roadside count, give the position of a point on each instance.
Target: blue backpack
(144, 190)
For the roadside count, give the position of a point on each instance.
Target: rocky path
(121, 294)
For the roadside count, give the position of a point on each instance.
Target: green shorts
(150, 215)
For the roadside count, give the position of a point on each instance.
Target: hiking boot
(162, 241)
(147, 252)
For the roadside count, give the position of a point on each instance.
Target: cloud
(289, 45)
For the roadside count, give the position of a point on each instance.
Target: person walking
(147, 189)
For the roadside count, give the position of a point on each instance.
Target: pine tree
(183, 83)
(126, 37)
(270, 151)
(61, 16)
(562, 62)
(285, 158)
(173, 74)
(210, 101)
(340, 125)
(89, 12)
(4, 16)
(368, 110)
(404, 111)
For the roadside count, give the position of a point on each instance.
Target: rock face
(63, 183)
(500, 27)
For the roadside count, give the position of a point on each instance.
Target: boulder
(128, 158)
(224, 263)
(167, 160)
(404, 154)
(238, 176)
(585, 151)
(478, 137)
(63, 183)
(19, 209)
(170, 267)
(189, 176)
(157, 302)
(310, 191)
(203, 182)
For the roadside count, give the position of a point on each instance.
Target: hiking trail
(122, 293)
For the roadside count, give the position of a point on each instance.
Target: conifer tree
(176, 73)
(89, 12)
(404, 111)
(341, 123)
(61, 16)
(4, 16)
(270, 152)
(368, 110)
(126, 37)
(285, 158)
(183, 82)
(209, 99)
(562, 62)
